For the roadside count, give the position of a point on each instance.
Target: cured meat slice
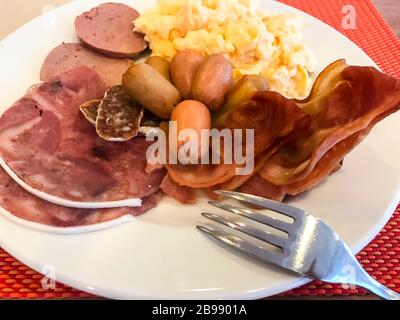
(270, 115)
(354, 99)
(119, 116)
(28, 207)
(262, 188)
(201, 176)
(306, 140)
(53, 148)
(182, 194)
(237, 181)
(330, 163)
(70, 55)
(108, 29)
(90, 110)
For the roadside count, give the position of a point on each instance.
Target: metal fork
(312, 249)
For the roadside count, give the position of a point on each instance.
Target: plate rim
(298, 281)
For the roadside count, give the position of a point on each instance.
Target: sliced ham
(108, 29)
(70, 55)
(28, 207)
(54, 149)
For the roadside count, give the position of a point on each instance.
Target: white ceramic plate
(161, 255)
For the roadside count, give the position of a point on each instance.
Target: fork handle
(369, 283)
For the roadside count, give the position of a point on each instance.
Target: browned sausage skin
(212, 81)
(184, 67)
(151, 90)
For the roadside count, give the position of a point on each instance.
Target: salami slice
(119, 116)
(90, 110)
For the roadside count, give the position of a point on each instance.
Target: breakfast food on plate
(107, 29)
(184, 67)
(90, 110)
(184, 195)
(69, 55)
(240, 93)
(253, 41)
(151, 90)
(194, 115)
(118, 116)
(26, 206)
(212, 81)
(161, 65)
(48, 143)
(222, 65)
(298, 143)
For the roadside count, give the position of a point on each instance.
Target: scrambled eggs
(254, 42)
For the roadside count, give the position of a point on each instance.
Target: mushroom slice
(119, 116)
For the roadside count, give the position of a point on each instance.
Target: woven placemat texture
(380, 258)
(372, 34)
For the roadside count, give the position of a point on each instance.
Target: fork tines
(243, 227)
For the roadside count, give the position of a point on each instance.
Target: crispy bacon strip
(329, 163)
(201, 176)
(237, 181)
(262, 188)
(272, 117)
(358, 98)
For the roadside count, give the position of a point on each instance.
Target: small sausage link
(184, 67)
(212, 81)
(195, 116)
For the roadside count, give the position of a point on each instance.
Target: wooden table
(17, 12)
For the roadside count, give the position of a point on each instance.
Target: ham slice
(54, 149)
(28, 207)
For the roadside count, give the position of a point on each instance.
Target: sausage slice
(70, 55)
(108, 29)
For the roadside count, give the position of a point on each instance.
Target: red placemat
(380, 258)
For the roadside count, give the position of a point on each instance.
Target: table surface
(15, 13)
